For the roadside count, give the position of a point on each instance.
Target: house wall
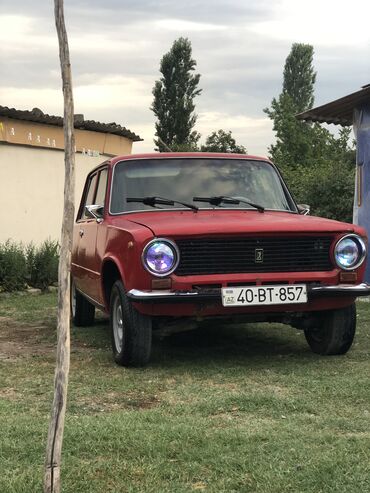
(31, 191)
(32, 175)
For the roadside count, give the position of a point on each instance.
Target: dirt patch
(114, 401)
(8, 393)
(20, 340)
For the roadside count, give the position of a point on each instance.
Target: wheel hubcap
(118, 325)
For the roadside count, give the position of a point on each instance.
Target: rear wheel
(82, 311)
(131, 332)
(334, 333)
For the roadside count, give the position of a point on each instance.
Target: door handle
(81, 232)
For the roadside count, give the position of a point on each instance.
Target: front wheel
(334, 332)
(131, 332)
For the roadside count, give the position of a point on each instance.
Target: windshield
(184, 179)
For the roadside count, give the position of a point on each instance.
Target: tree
(56, 425)
(327, 185)
(222, 141)
(300, 76)
(173, 103)
(318, 167)
(294, 138)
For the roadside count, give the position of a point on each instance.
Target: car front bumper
(199, 296)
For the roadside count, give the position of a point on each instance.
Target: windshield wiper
(153, 201)
(224, 199)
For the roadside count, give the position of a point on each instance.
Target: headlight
(160, 257)
(350, 252)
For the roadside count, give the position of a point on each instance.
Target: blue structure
(353, 109)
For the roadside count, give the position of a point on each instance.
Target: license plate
(264, 295)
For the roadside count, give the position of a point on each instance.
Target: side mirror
(94, 212)
(303, 209)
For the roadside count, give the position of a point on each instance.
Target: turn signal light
(348, 277)
(162, 283)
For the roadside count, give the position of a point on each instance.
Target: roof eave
(340, 111)
(37, 116)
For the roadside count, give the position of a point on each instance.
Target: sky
(240, 47)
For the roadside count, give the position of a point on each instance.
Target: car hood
(209, 222)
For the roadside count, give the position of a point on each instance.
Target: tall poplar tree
(318, 167)
(294, 138)
(300, 76)
(173, 103)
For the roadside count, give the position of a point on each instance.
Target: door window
(89, 196)
(102, 186)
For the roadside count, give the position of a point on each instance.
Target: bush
(328, 188)
(36, 266)
(13, 267)
(42, 264)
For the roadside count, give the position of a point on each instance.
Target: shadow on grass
(222, 344)
(217, 343)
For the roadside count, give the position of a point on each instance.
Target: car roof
(167, 155)
(181, 155)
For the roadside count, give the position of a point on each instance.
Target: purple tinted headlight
(160, 257)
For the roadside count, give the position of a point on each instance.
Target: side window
(102, 187)
(89, 196)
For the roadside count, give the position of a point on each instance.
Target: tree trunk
(56, 425)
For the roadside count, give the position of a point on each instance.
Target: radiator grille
(243, 255)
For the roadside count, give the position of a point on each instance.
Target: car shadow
(222, 343)
(213, 343)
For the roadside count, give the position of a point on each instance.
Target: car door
(86, 235)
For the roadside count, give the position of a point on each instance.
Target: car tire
(131, 331)
(334, 333)
(82, 311)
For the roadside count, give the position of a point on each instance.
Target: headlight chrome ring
(350, 252)
(160, 257)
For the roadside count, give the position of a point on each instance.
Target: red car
(163, 237)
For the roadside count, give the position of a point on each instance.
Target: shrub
(42, 264)
(328, 188)
(13, 267)
(36, 266)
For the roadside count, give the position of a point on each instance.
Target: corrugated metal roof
(36, 115)
(340, 111)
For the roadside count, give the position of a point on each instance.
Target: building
(32, 168)
(353, 109)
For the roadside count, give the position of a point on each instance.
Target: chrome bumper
(163, 296)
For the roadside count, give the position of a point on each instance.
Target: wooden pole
(56, 425)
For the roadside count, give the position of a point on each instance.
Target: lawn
(242, 408)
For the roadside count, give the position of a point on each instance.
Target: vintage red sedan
(160, 238)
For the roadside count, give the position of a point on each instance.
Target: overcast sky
(240, 47)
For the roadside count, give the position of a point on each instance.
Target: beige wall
(31, 191)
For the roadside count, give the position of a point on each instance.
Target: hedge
(30, 265)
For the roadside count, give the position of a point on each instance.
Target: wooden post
(56, 425)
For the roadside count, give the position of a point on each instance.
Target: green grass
(221, 409)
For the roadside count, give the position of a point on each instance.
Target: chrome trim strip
(362, 289)
(92, 301)
(164, 296)
(139, 296)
